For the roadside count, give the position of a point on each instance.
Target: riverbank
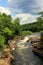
(6, 56)
(37, 50)
(35, 46)
(24, 54)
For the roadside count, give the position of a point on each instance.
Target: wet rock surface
(35, 40)
(37, 50)
(24, 55)
(21, 53)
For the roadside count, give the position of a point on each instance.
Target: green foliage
(26, 32)
(41, 13)
(7, 28)
(8, 32)
(34, 27)
(2, 41)
(41, 36)
(41, 40)
(17, 26)
(39, 19)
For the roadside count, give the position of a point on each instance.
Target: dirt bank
(6, 56)
(35, 45)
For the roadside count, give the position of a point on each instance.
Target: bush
(26, 32)
(2, 41)
(8, 32)
(41, 38)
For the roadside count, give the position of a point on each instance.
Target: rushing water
(24, 55)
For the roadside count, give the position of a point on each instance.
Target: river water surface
(24, 55)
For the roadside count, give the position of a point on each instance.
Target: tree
(36, 26)
(17, 26)
(41, 40)
(41, 13)
(39, 19)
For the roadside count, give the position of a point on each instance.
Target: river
(24, 55)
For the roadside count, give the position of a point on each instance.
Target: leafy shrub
(41, 40)
(41, 36)
(8, 32)
(2, 41)
(26, 32)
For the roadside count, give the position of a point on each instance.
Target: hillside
(34, 27)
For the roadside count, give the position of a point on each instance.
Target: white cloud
(26, 18)
(4, 10)
(40, 4)
(22, 7)
(27, 6)
(9, 0)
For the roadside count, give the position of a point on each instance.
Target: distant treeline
(36, 26)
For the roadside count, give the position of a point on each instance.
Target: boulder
(12, 44)
(35, 45)
(34, 39)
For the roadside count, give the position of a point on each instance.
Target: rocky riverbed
(20, 52)
(24, 55)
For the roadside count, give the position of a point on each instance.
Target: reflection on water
(24, 55)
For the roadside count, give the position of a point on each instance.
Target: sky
(26, 10)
